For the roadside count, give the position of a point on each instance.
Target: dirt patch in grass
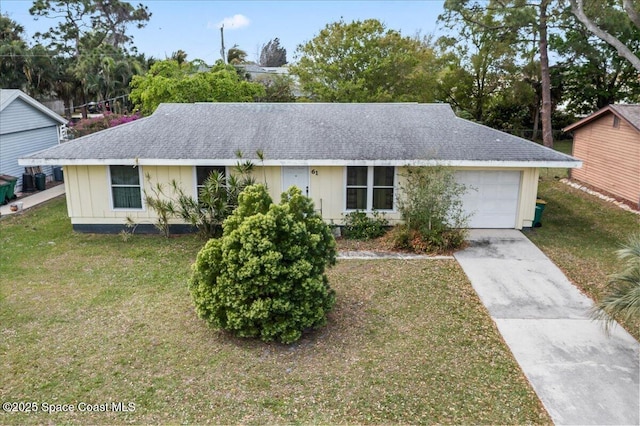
(98, 320)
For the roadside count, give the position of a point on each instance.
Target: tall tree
(477, 68)
(272, 54)
(363, 61)
(13, 49)
(86, 31)
(529, 20)
(633, 14)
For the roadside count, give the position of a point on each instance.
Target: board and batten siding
(89, 199)
(23, 131)
(88, 192)
(611, 157)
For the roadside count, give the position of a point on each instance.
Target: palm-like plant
(623, 292)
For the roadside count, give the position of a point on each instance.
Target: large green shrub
(431, 207)
(266, 276)
(359, 226)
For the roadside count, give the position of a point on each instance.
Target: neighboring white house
(344, 156)
(26, 126)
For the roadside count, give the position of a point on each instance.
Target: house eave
(597, 115)
(32, 161)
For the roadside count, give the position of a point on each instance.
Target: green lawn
(95, 319)
(581, 233)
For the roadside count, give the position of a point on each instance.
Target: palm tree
(623, 292)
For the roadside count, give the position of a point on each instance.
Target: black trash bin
(28, 183)
(41, 181)
(58, 176)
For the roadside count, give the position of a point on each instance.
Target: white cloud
(234, 22)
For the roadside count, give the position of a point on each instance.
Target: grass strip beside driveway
(95, 319)
(581, 234)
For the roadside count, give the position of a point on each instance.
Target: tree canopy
(83, 25)
(13, 49)
(632, 12)
(169, 81)
(363, 61)
(593, 73)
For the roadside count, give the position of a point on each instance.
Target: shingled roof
(7, 96)
(303, 134)
(628, 112)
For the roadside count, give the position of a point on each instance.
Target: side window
(126, 190)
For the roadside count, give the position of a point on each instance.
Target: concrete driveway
(582, 375)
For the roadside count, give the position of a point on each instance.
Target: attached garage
(492, 197)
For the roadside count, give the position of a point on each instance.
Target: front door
(296, 176)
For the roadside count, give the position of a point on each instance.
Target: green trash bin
(4, 188)
(537, 219)
(12, 180)
(41, 181)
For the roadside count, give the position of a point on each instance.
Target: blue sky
(194, 25)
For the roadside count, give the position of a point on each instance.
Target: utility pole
(224, 58)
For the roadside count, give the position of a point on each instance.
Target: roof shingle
(299, 133)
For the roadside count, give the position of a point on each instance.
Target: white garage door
(492, 197)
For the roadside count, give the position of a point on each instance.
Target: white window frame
(140, 185)
(370, 187)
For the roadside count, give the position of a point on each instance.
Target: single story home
(345, 157)
(608, 142)
(26, 126)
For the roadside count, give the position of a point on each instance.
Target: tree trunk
(547, 132)
(536, 122)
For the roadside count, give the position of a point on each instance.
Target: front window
(126, 190)
(370, 188)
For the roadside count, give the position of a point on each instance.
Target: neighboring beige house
(345, 157)
(608, 143)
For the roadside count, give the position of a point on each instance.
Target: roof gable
(628, 112)
(302, 133)
(8, 96)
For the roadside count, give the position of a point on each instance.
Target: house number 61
(314, 172)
